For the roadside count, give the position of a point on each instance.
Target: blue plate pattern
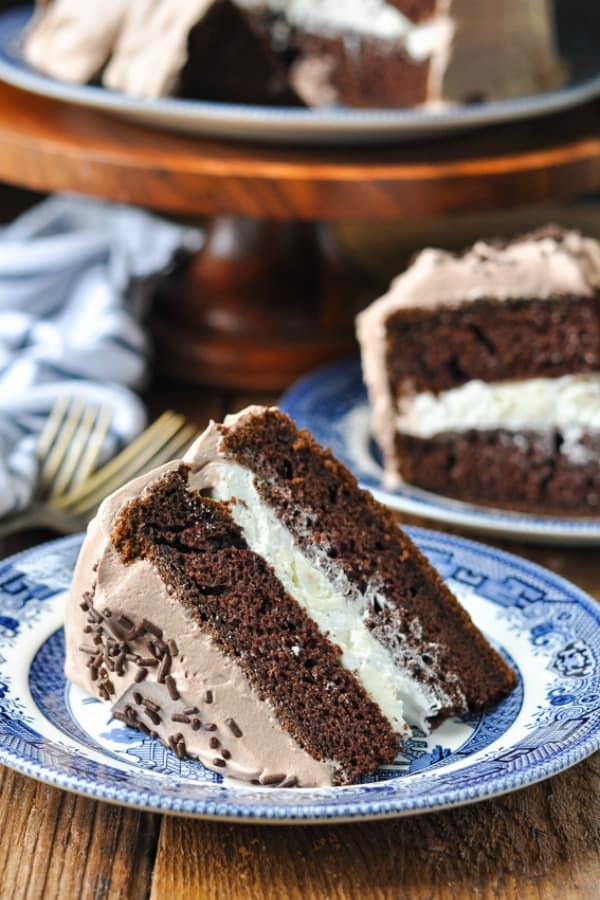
(332, 403)
(578, 39)
(545, 627)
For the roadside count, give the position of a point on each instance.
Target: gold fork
(70, 487)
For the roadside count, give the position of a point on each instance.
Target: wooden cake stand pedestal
(268, 297)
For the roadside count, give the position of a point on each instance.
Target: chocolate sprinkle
(180, 748)
(219, 762)
(165, 668)
(215, 743)
(85, 649)
(196, 724)
(125, 622)
(272, 779)
(154, 649)
(178, 717)
(173, 648)
(154, 717)
(191, 710)
(153, 629)
(140, 675)
(172, 687)
(147, 661)
(208, 697)
(120, 716)
(120, 663)
(234, 728)
(226, 754)
(150, 704)
(210, 727)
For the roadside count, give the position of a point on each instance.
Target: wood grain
(540, 842)
(50, 146)
(260, 304)
(58, 845)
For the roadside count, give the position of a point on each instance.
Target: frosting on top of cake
(537, 266)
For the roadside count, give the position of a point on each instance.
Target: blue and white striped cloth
(74, 277)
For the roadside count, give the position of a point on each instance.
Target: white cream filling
(374, 18)
(329, 599)
(569, 405)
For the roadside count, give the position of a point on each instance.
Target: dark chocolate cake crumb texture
(492, 340)
(519, 471)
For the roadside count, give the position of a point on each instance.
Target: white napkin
(74, 280)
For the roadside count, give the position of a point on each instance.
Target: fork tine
(78, 444)
(52, 426)
(62, 441)
(135, 456)
(92, 449)
(88, 503)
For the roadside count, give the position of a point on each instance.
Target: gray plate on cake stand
(579, 29)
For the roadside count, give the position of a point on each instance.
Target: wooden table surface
(543, 841)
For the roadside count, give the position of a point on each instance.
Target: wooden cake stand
(268, 297)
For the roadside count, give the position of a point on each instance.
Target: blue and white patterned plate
(578, 39)
(332, 403)
(544, 626)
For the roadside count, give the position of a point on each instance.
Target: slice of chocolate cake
(400, 53)
(483, 372)
(252, 608)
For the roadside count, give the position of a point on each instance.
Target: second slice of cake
(483, 371)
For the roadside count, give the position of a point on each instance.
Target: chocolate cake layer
(491, 340)
(415, 10)
(321, 504)
(242, 69)
(513, 470)
(201, 554)
(358, 71)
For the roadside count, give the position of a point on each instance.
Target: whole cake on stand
(365, 53)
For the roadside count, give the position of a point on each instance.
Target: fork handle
(41, 517)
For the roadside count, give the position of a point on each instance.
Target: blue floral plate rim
(332, 403)
(546, 625)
